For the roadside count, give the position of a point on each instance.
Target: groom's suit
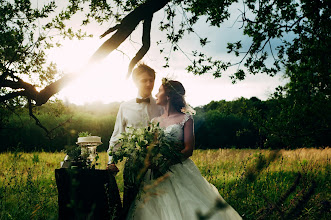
(135, 113)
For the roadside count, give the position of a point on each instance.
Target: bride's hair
(175, 90)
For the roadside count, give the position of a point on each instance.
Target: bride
(184, 192)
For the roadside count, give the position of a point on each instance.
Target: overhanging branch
(53, 88)
(12, 95)
(110, 30)
(30, 91)
(127, 26)
(11, 84)
(146, 40)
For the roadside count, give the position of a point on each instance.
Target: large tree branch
(127, 26)
(146, 40)
(110, 30)
(19, 84)
(11, 84)
(12, 95)
(53, 88)
(30, 91)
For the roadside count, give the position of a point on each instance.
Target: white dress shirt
(133, 114)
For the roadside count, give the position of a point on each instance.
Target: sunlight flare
(103, 82)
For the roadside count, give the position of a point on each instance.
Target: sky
(106, 81)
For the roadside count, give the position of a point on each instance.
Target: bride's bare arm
(188, 138)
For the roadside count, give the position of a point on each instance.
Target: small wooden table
(87, 194)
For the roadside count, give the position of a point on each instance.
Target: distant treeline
(64, 121)
(242, 123)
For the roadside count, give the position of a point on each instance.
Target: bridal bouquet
(147, 148)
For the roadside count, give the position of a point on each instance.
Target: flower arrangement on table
(80, 156)
(147, 148)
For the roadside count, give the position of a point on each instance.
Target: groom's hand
(112, 168)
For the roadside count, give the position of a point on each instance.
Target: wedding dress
(181, 195)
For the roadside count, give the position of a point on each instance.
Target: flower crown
(166, 81)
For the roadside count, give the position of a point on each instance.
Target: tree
(23, 65)
(301, 110)
(23, 41)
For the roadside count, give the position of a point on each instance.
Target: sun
(100, 84)
(103, 82)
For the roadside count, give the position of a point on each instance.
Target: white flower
(138, 146)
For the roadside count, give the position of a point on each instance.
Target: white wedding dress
(181, 195)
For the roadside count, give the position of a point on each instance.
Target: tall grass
(259, 184)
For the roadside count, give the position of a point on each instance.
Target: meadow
(259, 184)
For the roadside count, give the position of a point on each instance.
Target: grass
(259, 184)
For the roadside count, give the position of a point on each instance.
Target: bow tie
(147, 100)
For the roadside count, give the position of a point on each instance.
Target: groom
(136, 113)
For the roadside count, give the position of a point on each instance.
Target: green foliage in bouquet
(147, 148)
